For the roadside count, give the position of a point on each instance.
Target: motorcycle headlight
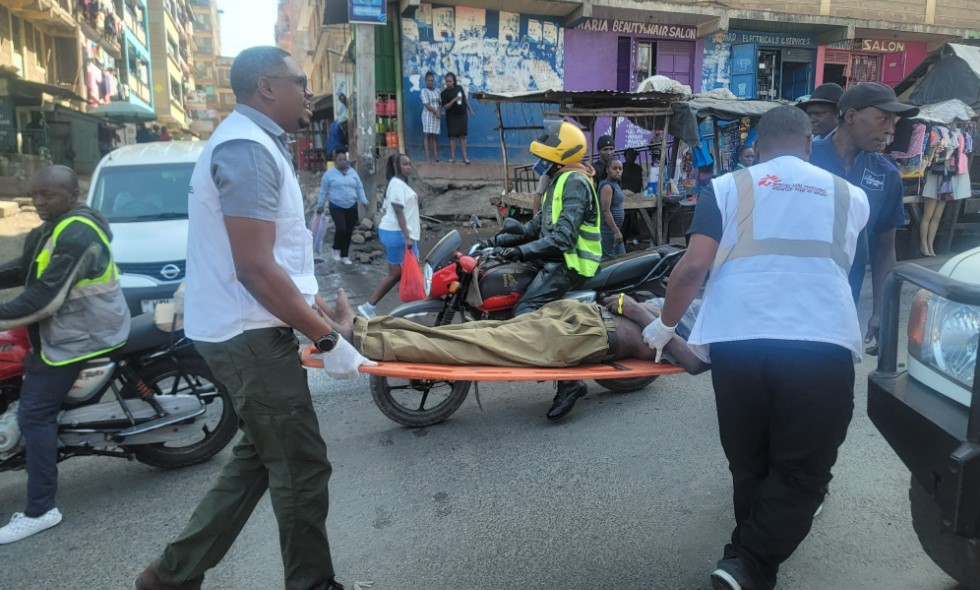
(427, 278)
(945, 335)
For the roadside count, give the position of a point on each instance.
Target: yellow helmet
(561, 144)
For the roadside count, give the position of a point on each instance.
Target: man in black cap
(822, 109)
(607, 149)
(867, 114)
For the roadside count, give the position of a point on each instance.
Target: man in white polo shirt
(778, 239)
(249, 283)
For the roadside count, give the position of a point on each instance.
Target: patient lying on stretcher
(563, 333)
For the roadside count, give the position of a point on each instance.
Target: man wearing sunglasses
(250, 282)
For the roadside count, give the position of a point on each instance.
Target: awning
(945, 112)
(323, 102)
(31, 89)
(685, 122)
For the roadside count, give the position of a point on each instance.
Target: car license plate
(150, 305)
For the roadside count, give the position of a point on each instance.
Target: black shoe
(730, 575)
(568, 392)
(329, 585)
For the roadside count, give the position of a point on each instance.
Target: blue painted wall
(489, 51)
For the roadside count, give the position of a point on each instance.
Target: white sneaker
(335, 254)
(21, 527)
(366, 312)
(346, 260)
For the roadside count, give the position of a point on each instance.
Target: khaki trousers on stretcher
(563, 333)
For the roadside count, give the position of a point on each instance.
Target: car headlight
(427, 278)
(944, 335)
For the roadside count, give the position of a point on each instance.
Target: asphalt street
(630, 492)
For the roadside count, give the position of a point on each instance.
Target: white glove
(342, 362)
(657, 335)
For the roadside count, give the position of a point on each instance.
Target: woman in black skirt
(455, 103)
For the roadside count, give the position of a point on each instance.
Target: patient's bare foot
(343, 315)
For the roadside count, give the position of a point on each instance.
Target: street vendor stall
(946, 86)
(649, 110)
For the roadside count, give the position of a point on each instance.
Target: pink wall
(915, 54)
(590, 60)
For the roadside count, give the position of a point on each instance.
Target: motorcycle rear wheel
(190, 375)
(416, 402)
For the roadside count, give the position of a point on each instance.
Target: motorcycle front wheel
(419, 402)
(190, 375)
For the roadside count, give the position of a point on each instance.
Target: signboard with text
(869, 45)
(367, 12)
(625, 27)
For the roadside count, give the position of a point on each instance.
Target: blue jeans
(44, 390)
(394, 243)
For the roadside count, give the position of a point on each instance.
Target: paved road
(630, 492)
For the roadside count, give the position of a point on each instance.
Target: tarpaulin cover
(945, 112)
(684, 122)
(956, 74)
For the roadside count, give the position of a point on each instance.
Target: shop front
(851, 61)
(602, 54)
(759, 65)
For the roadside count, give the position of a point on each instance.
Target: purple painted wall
(590, 60)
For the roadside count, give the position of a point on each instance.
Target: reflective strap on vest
(746, 245)
(44, 256)
(588, 247)
(105, 283)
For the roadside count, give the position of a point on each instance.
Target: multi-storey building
(202, 102)
(135, 71)
(170, 26)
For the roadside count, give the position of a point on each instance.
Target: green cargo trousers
(280, 450)
(563, 333)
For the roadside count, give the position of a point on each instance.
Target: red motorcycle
(153, 400)
(478, 286)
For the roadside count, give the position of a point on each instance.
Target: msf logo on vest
(770, 180)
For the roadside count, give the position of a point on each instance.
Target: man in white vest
(249, 283)
(778, 239)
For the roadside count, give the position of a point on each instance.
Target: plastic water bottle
(653, 182)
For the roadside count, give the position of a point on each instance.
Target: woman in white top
(399, 229)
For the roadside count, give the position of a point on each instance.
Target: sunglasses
(301, 81)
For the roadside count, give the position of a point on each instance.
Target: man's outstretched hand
(507, 253)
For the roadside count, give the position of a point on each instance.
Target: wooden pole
(503, 150)
(661, 184)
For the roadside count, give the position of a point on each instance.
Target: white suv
(142, 189)
(930, 414)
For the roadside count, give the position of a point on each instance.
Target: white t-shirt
(399, 193)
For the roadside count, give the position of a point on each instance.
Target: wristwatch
(327, 343)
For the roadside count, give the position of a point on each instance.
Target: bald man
(67, 322)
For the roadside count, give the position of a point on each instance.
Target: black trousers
(344, 221)
(783, 411)
(553, 280)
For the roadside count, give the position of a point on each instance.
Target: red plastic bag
(412, 285)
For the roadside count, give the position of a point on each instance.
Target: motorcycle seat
(623, 270)
(143, 335)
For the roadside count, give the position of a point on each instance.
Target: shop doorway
(638, 59)
(770, 73)
(836, 73)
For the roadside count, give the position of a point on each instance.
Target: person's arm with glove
(685, 282)
(343, 361)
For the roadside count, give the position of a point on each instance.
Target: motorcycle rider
(74, 310)
(562, 239)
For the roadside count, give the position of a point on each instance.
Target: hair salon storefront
(619, 54)
(852, 61)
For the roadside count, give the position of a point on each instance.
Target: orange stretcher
(621, 369)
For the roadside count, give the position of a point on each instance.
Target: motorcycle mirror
(475, 221)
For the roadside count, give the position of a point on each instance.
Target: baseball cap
(828, 94)
(874, 94)
(604, 141)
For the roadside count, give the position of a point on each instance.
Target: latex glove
(657, 335)
(507, 253)
(342, 362)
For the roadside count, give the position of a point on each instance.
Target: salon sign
(603, 25)
(869, 45)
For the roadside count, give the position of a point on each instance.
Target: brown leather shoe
(149, 580)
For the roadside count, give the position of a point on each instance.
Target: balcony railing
(140, 89)
(135, 25)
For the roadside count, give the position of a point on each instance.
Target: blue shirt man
(336, 137)
(867, 115)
